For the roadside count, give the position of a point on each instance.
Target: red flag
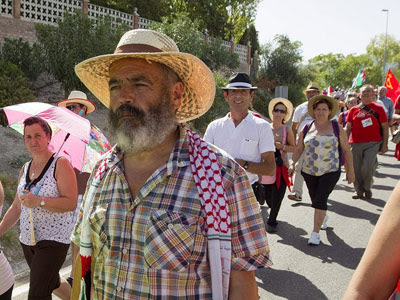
(392, 85)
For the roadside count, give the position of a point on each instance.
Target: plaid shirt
(155, 246)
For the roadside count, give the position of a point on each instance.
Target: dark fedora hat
(239, 81)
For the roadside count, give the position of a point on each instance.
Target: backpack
(336, 131)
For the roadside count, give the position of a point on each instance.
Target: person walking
(78, 103)
(280, 111)
(301, 118)
(50, 211)
(323, 142)
(7, 275)
(368, 125)
(165, 214)
(246, 137)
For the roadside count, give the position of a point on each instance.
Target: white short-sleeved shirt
(252, 137)
(298, 114)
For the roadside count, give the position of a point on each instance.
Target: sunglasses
(279, 111)
(71, 107)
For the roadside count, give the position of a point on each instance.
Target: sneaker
(314, 239)
(294, 197)
(324, 225)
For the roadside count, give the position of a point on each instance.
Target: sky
(328, 26)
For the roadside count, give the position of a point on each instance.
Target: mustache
(129, 109)
(114, 117)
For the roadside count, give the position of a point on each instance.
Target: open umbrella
(70, 131)
(81, 150)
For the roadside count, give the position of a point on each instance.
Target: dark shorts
(320, 187)
(45, 260)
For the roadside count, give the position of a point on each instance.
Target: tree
(339, 70)
(185, 33)
(14, 86)
(280, 64)
(251, 35)
(225, 19)
(29, 59)
(376, 50)
(75, 39)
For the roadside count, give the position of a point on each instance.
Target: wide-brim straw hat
(286, 103)
(334, 104)
(198, 80)
(78, 97)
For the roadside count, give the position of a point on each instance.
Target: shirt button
(124, 251)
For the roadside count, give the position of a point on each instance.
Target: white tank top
(48, 225)
(7, 275)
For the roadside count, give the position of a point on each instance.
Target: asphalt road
(303, 272)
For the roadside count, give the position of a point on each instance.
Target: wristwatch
(246, 165)
(42, 203)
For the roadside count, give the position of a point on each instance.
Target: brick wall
(15, 28)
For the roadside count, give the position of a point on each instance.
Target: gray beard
(153, 128)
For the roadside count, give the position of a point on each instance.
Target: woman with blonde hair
(280, 111)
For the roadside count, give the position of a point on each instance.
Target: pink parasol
(83, 147)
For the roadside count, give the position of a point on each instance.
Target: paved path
(303, 272)
(322, 272)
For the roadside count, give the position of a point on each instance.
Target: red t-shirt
(365, 127)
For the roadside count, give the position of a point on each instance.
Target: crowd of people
(169, 214)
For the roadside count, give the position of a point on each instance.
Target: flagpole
(384, 56)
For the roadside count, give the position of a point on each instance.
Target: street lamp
(384, 55)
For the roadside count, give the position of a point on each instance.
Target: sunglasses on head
(279, 111)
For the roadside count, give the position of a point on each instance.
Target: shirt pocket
(100, 239)
(249, 149)
(170, 239)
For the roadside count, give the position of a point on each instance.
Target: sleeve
(76, 233)
(391, 110)
(296, 115)
(397, 103)
(350, 115)
(266, 143)
(209, 135)
(250, 249)
(382, 115)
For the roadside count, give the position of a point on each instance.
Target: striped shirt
(155, 246)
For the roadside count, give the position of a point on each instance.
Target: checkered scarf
(207, 175)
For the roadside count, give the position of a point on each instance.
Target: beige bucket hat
(78, 97)
(312, 86)
(198, 80)
(286, 103)
(334, 105)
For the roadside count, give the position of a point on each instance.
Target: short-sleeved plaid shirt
(155, 246)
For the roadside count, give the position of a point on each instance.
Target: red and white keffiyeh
(207, 175)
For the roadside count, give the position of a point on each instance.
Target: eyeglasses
(72, 107)
(279, 111)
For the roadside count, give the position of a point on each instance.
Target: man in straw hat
(161, 213)
(247, 138)
(368, 125)
(78, 103)
(301, 118)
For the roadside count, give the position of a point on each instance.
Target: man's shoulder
(227, 162)
(301, 107)
(218, 122)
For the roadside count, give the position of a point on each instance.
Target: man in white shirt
(247, 138)
(301, 118)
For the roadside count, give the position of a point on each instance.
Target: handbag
(396, 137)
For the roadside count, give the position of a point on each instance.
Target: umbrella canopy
(62, 122)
